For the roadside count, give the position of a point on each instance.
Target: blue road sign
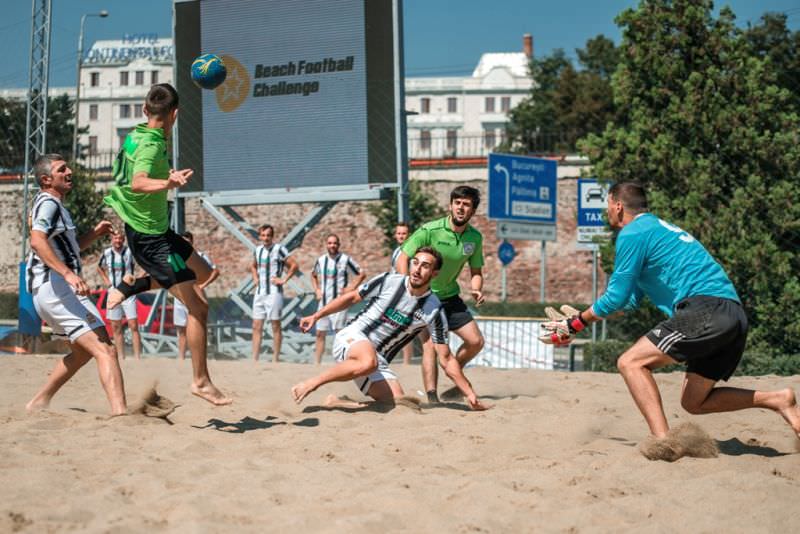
(522, 189)
(591, 204)
(506, 252)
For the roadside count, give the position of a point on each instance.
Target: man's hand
(307, 323)
(478, 296)
(103, 228)
(476, 405)
(561, 326)
(277, 281)
(76, 282)
(178, 178)
(318, 292)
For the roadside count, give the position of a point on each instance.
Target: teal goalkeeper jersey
(658, 259)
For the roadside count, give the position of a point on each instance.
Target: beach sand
(558, 452)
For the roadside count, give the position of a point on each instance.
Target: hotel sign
(132, 46)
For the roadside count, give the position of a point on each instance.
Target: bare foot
(790, 411)
(115, 298)
(301, 390)
(210, 393)
(332, 401)
(37, 404)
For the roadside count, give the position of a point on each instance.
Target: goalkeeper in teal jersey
(706, 327)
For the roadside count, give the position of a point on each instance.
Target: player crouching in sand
(399, 308)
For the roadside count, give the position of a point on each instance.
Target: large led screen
(309, 97)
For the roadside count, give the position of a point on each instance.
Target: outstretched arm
(453, 370)
(342, 302)
(102, 228)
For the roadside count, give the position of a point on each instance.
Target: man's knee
(116, 327)
(198, 308)
(626, 363)
(692, 405)
(367, 366)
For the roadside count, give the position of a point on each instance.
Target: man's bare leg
(319, 346)
(196, 339)
(277, 341)
(115, 297)
(181, 330)
(94, 344)
(472, 345)
(408, 353)
(258, 327)
(119, 340)
(133, 326)
(361, 361)
(699, 396)
(636, 365)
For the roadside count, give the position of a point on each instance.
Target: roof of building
(516, 62)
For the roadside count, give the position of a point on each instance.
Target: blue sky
(442, 37)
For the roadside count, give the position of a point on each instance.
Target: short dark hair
(403, 223)
(186, 234)
(333, 235)
(631, 194)
(465, 191)
(161, 100)
(266, 227)
(433, 252)
(43, 166)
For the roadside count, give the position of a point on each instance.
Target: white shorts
(179, 313)
(68, 314)
(341, 348)
(268, 306)
(333, 322)
(128, 307)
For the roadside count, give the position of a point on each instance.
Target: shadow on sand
(734, 447)
(248, 423)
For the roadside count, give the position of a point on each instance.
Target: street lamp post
(102, 14)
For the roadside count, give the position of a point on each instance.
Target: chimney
(527, 45)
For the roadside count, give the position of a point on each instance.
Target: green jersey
(456, 250)
(144, 150)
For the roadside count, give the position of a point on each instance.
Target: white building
(448, 116)
(466, 116)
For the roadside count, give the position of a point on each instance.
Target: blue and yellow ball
(208, 71)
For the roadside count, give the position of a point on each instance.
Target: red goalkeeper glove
(561, 326)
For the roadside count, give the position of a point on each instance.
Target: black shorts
(456, 312)
(707, 333)
(162, 256)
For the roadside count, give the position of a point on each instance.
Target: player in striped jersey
(399, 307)
(401, 232)
(115, 262)
(60, 295)
(270, 273)
(330, 279)
(180, 313)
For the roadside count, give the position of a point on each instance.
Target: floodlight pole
(102, 14)
(400, 114)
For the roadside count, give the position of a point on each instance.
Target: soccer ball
(208, 71)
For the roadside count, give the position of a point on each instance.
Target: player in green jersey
(143, 178)
(459, 243)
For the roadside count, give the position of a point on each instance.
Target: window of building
(154, 77)
(94, 79)
(92, 112)
(452, 141)
(425, 105)
(139, 77)
(489, 139)
(452, 104)
(137, 111)
(488, 106)
(124, 111)
(92, 145)
(123, 78)
(425, 140)
(505, 104)
(122, 133)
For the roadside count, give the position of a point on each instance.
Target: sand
(558, 452)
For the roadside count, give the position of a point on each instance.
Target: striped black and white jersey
(270, 261)
(48, 215)
(333, 274)
(117, 263)
(393, 316)
(395, 254)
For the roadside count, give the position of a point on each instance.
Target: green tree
(771, 39)
(422, 207)
(704, 123)
(565, 103)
